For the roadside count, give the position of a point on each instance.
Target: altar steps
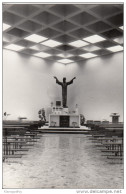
(64, 130)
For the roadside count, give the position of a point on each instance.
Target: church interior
(63, 95)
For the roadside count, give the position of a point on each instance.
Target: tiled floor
(69, 161)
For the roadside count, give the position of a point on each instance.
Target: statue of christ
(64, 85)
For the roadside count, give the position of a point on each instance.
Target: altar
(62, 117)
(59, 120)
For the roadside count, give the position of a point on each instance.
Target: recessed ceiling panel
(49, 32)
(29, 51)
(91, 48)
(120, 6)
(25, 43)
(105, 10)
(102, 52)
(17, 32)
(5, 44)
(105, 44)
(85, 6)
(81, 33)
(65, 39)
(114, 33)
(65, 47)
(10, 18)
(64, 9)
(62, 30)
(39, 47)
(76, 58)
(45, 18)
(99, 27)
(53, 51)
(78, 52)
(24, 9)
(83, 18)
(6, 6)
(65, 26)
(119, 40)
(116, 20)
(30, 26)
(55, 58)
(9, 38)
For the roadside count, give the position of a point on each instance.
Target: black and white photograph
(63, 96)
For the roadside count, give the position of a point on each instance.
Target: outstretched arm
(57, 81)
(70, 82)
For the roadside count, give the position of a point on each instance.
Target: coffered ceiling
(64, 33)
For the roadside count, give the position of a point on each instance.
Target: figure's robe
(64, 91)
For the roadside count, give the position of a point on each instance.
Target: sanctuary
(60, 115)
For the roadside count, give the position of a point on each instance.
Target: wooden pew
(17, 137)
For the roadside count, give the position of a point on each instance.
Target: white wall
(28, 85)
(98, 89)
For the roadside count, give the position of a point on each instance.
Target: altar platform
(72, 130)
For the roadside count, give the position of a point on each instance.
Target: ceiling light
(5, 26)
(91, 48)
(121, 27)
(51, 43)
(42, 54)
(65, 61)
(14, 47)
(88, 55)
(65, 55)
(35, 38)
(39, 47)
(78, 43)
(119, 40)
(115, 48)
(35, 48)
(94, 39)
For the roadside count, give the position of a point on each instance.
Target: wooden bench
(114, 151)
(18, 150)
(98, 135)
(111, 125)
(19, 141)
(18, 130)
(19, 137)
(115, 157)
(13, 156)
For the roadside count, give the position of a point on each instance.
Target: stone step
(64, 131)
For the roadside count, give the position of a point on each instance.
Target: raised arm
(70, 82)
(57, 81)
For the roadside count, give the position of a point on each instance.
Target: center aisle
(63, 161)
